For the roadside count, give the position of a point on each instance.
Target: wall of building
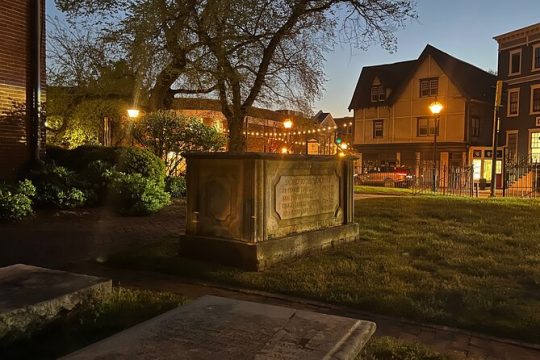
(14, 84)
(400, 120)
(525, 121)
(484, 112)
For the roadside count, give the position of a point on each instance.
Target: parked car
(387, 177)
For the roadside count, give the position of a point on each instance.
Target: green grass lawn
(88, 324)
(469, 263)
(125, 308)
(381, 190)
(387, 348)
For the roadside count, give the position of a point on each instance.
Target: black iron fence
(446, 180)
(521, 177)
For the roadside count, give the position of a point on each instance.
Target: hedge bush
(57, 187)
(176, 186)
(132, 180)
(141, 161)
(16, 202)
(95, 182)
(81, 157)
(136, 194)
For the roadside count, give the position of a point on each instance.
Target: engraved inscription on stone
(303, 195)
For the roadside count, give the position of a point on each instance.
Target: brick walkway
(66, 239)
(54, 239)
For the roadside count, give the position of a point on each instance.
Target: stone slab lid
(219, 328)
(24, 285)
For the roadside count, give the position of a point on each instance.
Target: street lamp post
(132, 114)
(288, 124)
(435, 108)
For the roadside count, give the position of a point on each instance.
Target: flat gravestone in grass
(31, 296)
(219, 328)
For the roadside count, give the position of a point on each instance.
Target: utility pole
(495, 138)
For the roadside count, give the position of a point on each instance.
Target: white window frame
(510, 91)
(534, 47)
(381, 121)
(430, 120)
(380, 94)
(531, 110)
(531, 132)
(517, 51)
(429, 82)
(512, 132)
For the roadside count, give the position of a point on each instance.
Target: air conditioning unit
(538, 121)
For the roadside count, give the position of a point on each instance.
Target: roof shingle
(471, 81)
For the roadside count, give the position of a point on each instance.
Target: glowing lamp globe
(435, 107)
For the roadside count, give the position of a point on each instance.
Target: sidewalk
(444, 339)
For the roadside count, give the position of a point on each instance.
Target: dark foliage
(16, 201)
(176, 186)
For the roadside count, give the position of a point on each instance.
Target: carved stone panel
(306, 195)
(218, 199)
(218, 211)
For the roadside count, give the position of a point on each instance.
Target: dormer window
(378, 93)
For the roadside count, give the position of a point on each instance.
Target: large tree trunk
(237, 139)
(160, 95)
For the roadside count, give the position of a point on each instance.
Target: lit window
(426, 127)
(513, 102)
(535, 146)
(515, 62)
(477, 168)
(378, 93)
(429, 87)
(378, 128)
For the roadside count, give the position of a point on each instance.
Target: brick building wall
(15, 78)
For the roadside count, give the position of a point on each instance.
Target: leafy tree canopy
(168, 135)
(242, 52)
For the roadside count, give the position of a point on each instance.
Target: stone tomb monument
(254, 209)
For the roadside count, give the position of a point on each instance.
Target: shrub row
(130, 180)
(16, 201)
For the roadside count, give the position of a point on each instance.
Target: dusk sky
(462, 28)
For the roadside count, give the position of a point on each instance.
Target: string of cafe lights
(282, 134)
